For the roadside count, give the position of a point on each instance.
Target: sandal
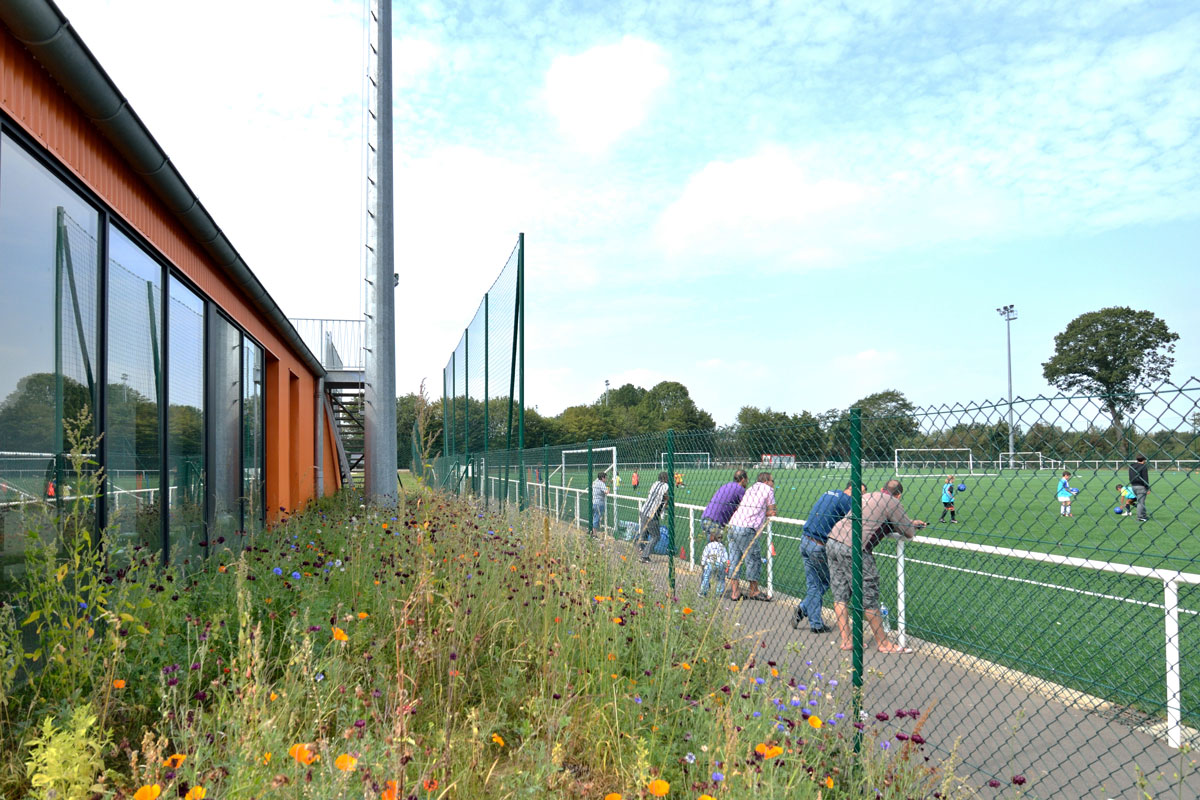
(760, 597)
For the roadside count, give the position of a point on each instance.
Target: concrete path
(1066, 744)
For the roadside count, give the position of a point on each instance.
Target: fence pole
(445, 427)
(521, 319)
(670, 510)
(770, 560)
(901, 597)
(692, 538)
(1174, 711)
(591, 504)
(856, 528)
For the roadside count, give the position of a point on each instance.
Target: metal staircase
(338, 343)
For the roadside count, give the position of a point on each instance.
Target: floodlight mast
(379, 406)
(1009, 313)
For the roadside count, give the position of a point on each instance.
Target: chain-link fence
(483, 385)
(1036, 604)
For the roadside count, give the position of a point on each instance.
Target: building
(123, 299)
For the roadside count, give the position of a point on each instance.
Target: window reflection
(185, 423)
(49, 266)
(252, 437)
(134, 393)
(225, 426)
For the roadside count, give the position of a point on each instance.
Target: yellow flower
(274, 696)
(612, 796)
(733, 667)
(706, 797)
(768, 751)
(345, 762)
(174, 761)
(363, 615)
(685, 665)
(196, 793)
(149, 792)
(617, 620)
(815, 721)
(266, 759)
(498, 739)
(340, 635)
(639, 591)
(828, 781)
(658, 787)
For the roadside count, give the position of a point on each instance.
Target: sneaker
(822, 629)
(644, 560)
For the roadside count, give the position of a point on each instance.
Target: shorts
(841, 574)
(739, 546)
(949, 506)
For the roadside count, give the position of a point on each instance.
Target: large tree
(1112, 353)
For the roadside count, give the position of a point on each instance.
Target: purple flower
(277, 571)
(902, 736)
(718, 777)
(918, 738)
(637, 699)
(882, 716)
(995, 784)
(1018, 780)
(296, 575)
(885, 745)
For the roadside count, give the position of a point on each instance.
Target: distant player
(1126, 498)
(616, 482)
(948, 501)
(633, 480)
(1065, 495)
(679, 479)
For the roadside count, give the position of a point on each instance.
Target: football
(1117, 510)
(962, 487)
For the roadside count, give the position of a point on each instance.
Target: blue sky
(784, 204)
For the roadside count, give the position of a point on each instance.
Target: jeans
(1140, 492)
(710, 571)
(650, 532)
(597, 515)
(741, 550)
(816, 580)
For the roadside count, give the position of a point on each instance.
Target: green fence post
(521, 318)
(591, 477)
(670, 510)
(856, 597)
(486, 400)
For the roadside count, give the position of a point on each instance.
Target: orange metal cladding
(40, 106)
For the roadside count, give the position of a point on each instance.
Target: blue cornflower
(296, 575)
(637, 699)
(690, 758)
(277, 571)
(756, 714)
(718, 777)
(759, 681)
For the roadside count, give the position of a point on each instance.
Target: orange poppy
(174, 761)
(430, 784)
(390, 792)
(345, 762)
(658, 787)
(302, 753)
(119, 683)
(340, 635)
(149, 792)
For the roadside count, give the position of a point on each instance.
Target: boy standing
(948, 501)
(715, 560)
(1065, 495)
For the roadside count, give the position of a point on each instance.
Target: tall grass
(426, 652)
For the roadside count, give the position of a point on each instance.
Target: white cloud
(605, 92)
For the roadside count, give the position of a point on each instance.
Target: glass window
(185, 422)
(224, 427)
(49, 268)
(134, 393)
(252, 437)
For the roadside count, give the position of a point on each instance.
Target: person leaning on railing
(651, 514)
(599, 492)
(825, 513)
(745, 530)
(882, 515)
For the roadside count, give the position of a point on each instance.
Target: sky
(784, 204)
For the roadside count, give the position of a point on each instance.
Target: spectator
(745, 526)
(1139, 479)
(829, 508)
(882, 515)
(715, 560)
(722, 504)
(651, 515)
(599, 492)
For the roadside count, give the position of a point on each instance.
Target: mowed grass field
(1097, 631)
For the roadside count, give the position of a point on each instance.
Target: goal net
(777, 461)
(1028, 459)
(695, 460)
(922, 462)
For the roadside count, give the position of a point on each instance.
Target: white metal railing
(1170, 578)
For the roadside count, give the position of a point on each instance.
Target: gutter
(42, 28)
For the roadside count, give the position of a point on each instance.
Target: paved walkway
(1066, 744)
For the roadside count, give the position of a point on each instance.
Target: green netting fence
(483, 384)
(1036, 617)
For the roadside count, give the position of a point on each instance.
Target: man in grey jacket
(882, 515)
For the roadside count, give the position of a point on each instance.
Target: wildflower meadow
(430, 651)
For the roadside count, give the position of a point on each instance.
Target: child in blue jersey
(948, 501)
(1065, 495)
(1126, 498)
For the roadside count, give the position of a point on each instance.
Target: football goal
(695, 460)
(777, 461)
(923, 462)
(573, 471)
(1028, 459)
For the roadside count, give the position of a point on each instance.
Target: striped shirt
(655, 501)
(599, 492)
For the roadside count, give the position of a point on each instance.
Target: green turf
(1101, 638)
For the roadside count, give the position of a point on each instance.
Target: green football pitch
(1099, 631)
